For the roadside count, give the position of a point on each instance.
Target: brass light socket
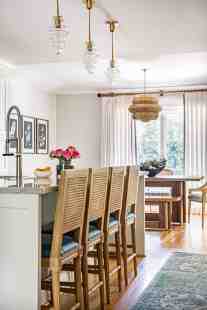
(89, 3)
(89, 46)
(58, 21)
(112, 25)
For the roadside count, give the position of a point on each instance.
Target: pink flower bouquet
(65, 155)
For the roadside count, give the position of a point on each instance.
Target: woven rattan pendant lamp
(144, 107)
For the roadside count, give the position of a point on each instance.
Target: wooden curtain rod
(160, 92)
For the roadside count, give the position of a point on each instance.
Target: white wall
(34, 103)
(79, 123)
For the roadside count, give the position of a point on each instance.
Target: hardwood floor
(159, 245)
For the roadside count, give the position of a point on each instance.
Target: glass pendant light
(91, 56)
(59, 32)
(145, 107)
(112, 72)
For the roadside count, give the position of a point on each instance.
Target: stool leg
(124, 253)
(133, 234)
(106, 267)
(78, 281)
(118, 256)
(56, 289)
(101, 273)
(85, 280)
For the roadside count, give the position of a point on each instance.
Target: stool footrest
(130, 257)
(95, 287)
(114, 270)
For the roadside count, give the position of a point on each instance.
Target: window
(164, 138)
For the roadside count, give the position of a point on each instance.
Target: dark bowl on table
(153, 167)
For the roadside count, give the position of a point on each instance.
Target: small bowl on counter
(43, 173)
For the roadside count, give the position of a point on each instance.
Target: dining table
(178, 185)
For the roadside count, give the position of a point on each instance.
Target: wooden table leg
(184, 203)
(163, 211)
(166, 206)
(170, 215)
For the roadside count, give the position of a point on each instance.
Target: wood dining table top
(175, 178)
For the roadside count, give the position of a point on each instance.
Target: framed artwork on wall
(28, 134)
(42, 136)
(13, 131)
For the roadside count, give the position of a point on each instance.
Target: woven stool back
(70, 206)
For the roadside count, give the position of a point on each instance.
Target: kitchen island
(23, 211)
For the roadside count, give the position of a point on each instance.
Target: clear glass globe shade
(90, 60)
(58, 37)
(113, 73)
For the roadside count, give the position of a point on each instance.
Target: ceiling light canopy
(144, 107)
(113, 72)
(59, 32)
(91, 56)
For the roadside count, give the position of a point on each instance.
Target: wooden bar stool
(112, 225)
(128, 219)
(63, 245)
(93, 234)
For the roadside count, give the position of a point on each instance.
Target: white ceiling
(167, 36)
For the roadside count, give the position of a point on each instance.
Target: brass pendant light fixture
(59, 32)
(144, 107)
(91, 56)
(113, 72)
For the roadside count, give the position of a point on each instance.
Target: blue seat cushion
(68, 244)
(94, 231)
(131, 216)
(158, 191)
(112, 220)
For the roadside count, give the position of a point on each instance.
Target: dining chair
(128, 219)
(198, 195)
(63, 245)
(112, 226)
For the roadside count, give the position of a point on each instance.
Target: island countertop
(30, 186)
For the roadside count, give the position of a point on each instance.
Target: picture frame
(13, 131)
(42, 136)
(29, 134)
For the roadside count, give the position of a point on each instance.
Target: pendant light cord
(113, 49)
(89, 26)
(58, 9)
(145, 70)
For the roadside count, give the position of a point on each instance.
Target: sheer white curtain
(118, 132)
(196, 133)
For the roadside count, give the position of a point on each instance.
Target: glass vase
(67, 164)
(59, 169)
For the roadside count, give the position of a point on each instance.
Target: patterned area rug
(181, 284)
